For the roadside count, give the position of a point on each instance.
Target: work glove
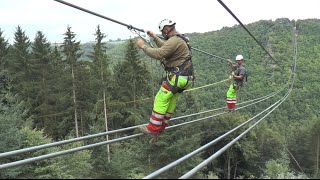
(231, 76)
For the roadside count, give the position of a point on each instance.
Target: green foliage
(13, 116)
(20, 65)
(279, 169)
(132, 83)
(53, 84)
(4, 51)
(72, 166)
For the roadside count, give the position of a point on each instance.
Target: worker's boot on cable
(145, 130)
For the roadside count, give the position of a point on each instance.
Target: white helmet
(239, 58)
(166, 22)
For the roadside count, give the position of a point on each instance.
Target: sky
(53, 18)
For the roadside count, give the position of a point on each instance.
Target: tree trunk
(81, 121)
(317, 160)
(229, 166)
(105, 108)
(134, 93)
(235, 171)
(75, 103)
(106, 122)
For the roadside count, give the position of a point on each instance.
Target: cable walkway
(230, 144)
(56, 154)
(166, 168)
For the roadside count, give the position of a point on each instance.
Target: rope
(206, 85)
(140, 100)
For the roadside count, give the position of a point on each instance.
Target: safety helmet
(166, 22)
(239, 58)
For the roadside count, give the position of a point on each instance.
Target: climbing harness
(185, 71)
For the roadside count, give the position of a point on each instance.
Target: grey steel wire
(175, 163)
(49, 145)
(222, 150)
(69, 151)
(60, 153)
(226, 147)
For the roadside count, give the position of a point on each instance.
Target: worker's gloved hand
(231, 76)
(140, 43)
(151, 34)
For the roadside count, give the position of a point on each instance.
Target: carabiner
(147, 38)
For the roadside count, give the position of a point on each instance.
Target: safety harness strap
(186, 69)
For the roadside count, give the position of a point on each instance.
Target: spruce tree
(71, 50)
(4, 51)
(60, 90)
(102, 77)
(20, 66)
(43, 69)
(132, 84)
(13, 117)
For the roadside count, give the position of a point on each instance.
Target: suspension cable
(209, 54)
(60, 153)
(44, 146)
(188, 156)
(25, 150)
(204, 163)
(99, 15)
(82, 138)
(226, 147)
(226, 7)
(130, 27)
(107, 133)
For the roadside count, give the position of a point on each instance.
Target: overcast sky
(53, 18)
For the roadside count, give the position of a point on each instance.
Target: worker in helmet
(175, 56)
(238, 75)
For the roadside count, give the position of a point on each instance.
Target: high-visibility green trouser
(232, 97)
(232, 92)
(165, 103)
(165, 100)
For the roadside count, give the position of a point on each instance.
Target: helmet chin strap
(167, 37)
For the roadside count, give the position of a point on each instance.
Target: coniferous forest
(54, 92)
